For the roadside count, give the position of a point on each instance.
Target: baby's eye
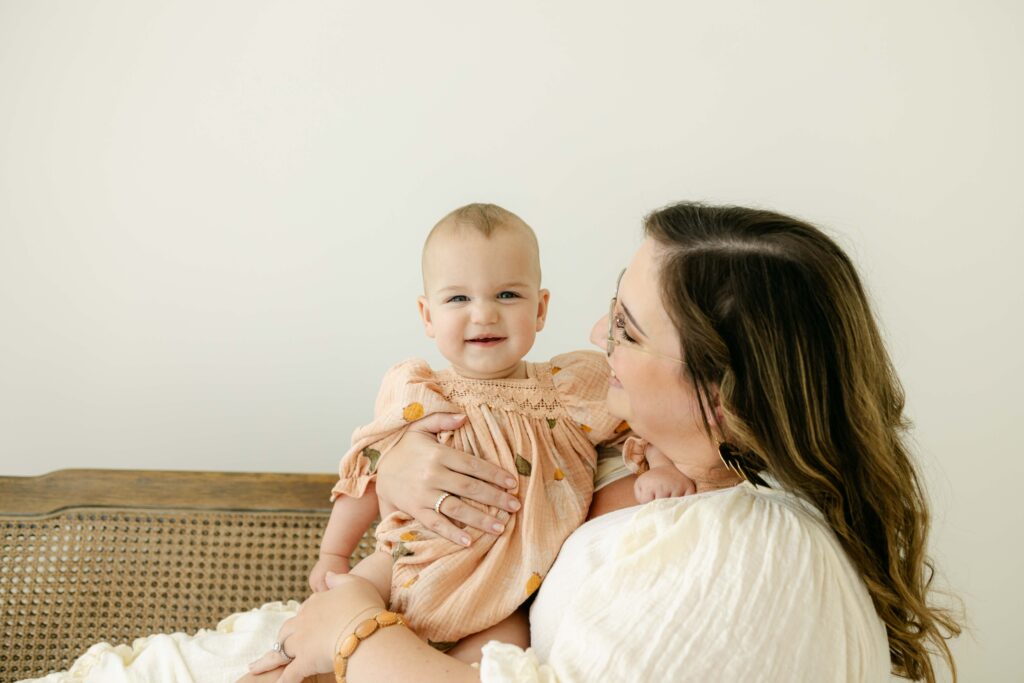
(457, 299)
(508, 295)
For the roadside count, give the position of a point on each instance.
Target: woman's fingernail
(498, 528)
(509, 483)
(464, 540)
(514, 505)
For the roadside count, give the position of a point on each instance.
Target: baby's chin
(484, 371)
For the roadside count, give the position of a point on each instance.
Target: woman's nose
(599, 333)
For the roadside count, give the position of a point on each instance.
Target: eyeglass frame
(611, 342)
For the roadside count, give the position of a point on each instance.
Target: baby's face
(483, 304)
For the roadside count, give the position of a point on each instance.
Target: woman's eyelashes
(620, 325)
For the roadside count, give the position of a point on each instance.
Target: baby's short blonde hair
(485, 219)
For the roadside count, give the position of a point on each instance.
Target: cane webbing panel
(81, 575)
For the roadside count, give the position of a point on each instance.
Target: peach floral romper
(544, 428)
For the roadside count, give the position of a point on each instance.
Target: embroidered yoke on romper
(543, 428)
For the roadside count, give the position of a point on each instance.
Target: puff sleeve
(408, 392)
(581, 380)
(634, 455)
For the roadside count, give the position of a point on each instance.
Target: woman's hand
(418, 470)
(309, 638)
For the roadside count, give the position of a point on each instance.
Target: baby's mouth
(485, 341)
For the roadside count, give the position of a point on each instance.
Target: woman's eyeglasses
(616, 321)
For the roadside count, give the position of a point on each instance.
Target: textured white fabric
(741, 584)
(218, 656)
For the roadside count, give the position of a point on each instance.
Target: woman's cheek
(624, 380)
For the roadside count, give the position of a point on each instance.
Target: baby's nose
(485, 312)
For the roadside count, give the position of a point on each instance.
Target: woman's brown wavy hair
(774, 320)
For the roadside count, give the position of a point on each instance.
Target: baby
(483, 306)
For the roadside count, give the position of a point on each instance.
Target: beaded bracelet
(364, 630)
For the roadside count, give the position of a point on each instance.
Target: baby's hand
(664, 481)
(327, 563)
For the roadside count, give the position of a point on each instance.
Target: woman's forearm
(396, 654)
(615, 496)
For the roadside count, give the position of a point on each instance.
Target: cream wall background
(211, 212)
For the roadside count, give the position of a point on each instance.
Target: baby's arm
(350, 519)
(663, 480)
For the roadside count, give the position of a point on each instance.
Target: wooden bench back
(113, 555)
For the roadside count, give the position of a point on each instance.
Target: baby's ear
(543, 296)
(424, 307)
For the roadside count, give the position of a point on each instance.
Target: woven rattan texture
(85, 575)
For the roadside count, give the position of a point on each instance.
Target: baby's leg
(377, 570)
(515, 630)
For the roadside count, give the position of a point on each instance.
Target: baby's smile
(486, 341)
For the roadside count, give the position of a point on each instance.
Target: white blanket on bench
(209, 656)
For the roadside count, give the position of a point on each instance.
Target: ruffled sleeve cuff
(634, 455)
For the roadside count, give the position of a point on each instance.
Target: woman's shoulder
(774, 506)
(738, 559)
(768, 535)
(755, 515)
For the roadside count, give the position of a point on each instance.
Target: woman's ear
(715, 390)
(713, 408)
(424, 307)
